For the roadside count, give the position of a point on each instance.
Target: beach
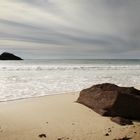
(69, 70)
(58, 117)
(38, 99)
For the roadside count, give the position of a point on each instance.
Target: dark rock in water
(111, 100)
(9, 56)
(122, 121)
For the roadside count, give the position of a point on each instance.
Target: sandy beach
(58, 117)
(65, 65)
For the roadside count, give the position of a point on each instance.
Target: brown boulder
(111, 100)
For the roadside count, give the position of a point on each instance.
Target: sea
(35, 78)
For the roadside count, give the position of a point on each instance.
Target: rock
(42, 135)
(121, 121)
(63, 138)
(111, 100)
(109, 130)
(9, 56)
(107, 134)
(124, 138)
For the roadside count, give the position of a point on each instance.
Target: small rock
(134, 126)
(109, 130)
(124, 138)
(42, 136)
(62, 138)
(106, 134)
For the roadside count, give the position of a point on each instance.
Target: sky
(70, 29)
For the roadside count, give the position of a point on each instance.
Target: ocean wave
(19, 80)
(39, 68)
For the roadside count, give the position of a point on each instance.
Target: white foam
(24, 81)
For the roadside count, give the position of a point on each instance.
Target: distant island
(9, 56)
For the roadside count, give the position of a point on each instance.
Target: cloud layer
(70, 29)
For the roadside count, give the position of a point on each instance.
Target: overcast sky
(70, 28)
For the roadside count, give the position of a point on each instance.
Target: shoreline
(47, 95)
(26, 98)
(58, 117)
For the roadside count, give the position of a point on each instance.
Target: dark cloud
(83, 28)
